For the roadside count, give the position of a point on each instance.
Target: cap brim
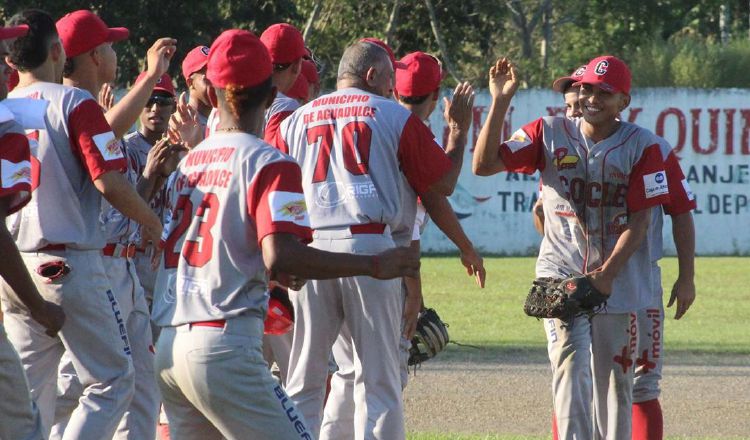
(117, 34)
(399, 65)
(562, 83)
(601, 84)
(13, 32)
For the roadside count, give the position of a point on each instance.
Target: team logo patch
(601, 67)
(563, 160)
(519, 140)
(204, 50)
(578, 73)
(108, 146)
(14, 173)
(655, 184)
(288, 206)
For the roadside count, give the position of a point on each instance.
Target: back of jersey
(353, 147)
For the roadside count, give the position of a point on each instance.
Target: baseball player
(647, 416)
(234, 197)
(193, 112)
(19, 417)
(350, 145)
(310, 72)
(300, 90)
(59, 236)
(601, 177)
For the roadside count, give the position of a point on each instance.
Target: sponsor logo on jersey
(655, 184)
(518, 140)
(14, 173)
(563, 160)
(330, 194)
(189, 286)
(108, 146)
(291, 413)
(288, 206)
(688, 190)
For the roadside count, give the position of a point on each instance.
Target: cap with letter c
(609, 73)
(194, 61)
(82, 31)
(163, 84)
(561, 84)
(239, 58)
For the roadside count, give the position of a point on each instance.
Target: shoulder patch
(288, 206)
(108, 146)
(655, 184)
(14, 173)
(518, 140)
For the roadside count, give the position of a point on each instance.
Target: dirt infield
(507, 391)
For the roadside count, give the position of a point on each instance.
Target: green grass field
(493, 318)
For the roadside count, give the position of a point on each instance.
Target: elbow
(442, 188)
(479, 169)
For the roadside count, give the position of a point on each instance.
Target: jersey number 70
(356, 137)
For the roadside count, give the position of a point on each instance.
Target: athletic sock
(648, 421)
(555, 435)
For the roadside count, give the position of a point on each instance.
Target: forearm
(118, 192)
(486, 160)
(628, 242)
(125, 113)
(414, 284)
(455, 152)
(441, 212)
(683, 232)
(14, 272)
(538, 215)
(149, 185)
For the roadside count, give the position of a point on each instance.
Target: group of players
(175, 233)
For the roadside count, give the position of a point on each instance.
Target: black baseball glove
(563, 299)
(430, 338)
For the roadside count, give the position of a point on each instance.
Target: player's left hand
(601, 280)
(159, 55)
(474, 265)
(184, 123)
(289, 281)
(458, 112)
(396, 262)
(412, 307)
(683, 292)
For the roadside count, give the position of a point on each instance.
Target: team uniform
(60, 228)
(357, 151)
(589, 190)
(19, 417)
(229, 192)
(118, 260)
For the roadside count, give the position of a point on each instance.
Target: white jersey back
(75, 148)
(228, 193)
(355, 149)
(15, 162)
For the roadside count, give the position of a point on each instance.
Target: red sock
(555, 435)
(162, 431)
(648, 421)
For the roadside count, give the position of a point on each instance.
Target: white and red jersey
(228, 193)
(211, 123)
(360, 154)
(590, 188)
(282, 107)
(75, 148)
(15, 162)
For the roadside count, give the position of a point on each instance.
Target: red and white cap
(561, 84)
(300, 89)
(82, 31)
(194, 61)
(238, 58)
(421, 76)
(163, 84)
(381, 43)
(310, 72)
(609, 73)
(284, 43)
(13, 31)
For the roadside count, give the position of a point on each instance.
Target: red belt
(219, 323)
(52, 247)
(367, 228)
(119, 250)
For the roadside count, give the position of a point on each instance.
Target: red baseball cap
(310, 72)
(239, 58)
(81, 31)
(300, 89)
(381, 43)
(284, 43)
(194, 61)
(562, 83)
(163, 84)
(608, 72)
(421, 76)
(14, 31)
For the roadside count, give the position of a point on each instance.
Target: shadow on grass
(525, 355)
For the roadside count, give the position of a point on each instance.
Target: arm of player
(458, 115)
(442, 214)
(503, 83)
(627, 244)
(123, 115)
(683, 291)
(283, 252)
(162, 160)
(414, 301)
(537, 213)
(118, 192)
(14, 272)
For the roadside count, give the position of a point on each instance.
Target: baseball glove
(563, 299)
(430, 338)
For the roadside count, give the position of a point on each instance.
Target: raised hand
(159, 55)
(503, 79)
(459, 110)
(185, 123)
(106, 97)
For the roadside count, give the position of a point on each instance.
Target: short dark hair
(414, 100)
(281, 67)
(242, 99)
(31, 51)
(69, 68)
